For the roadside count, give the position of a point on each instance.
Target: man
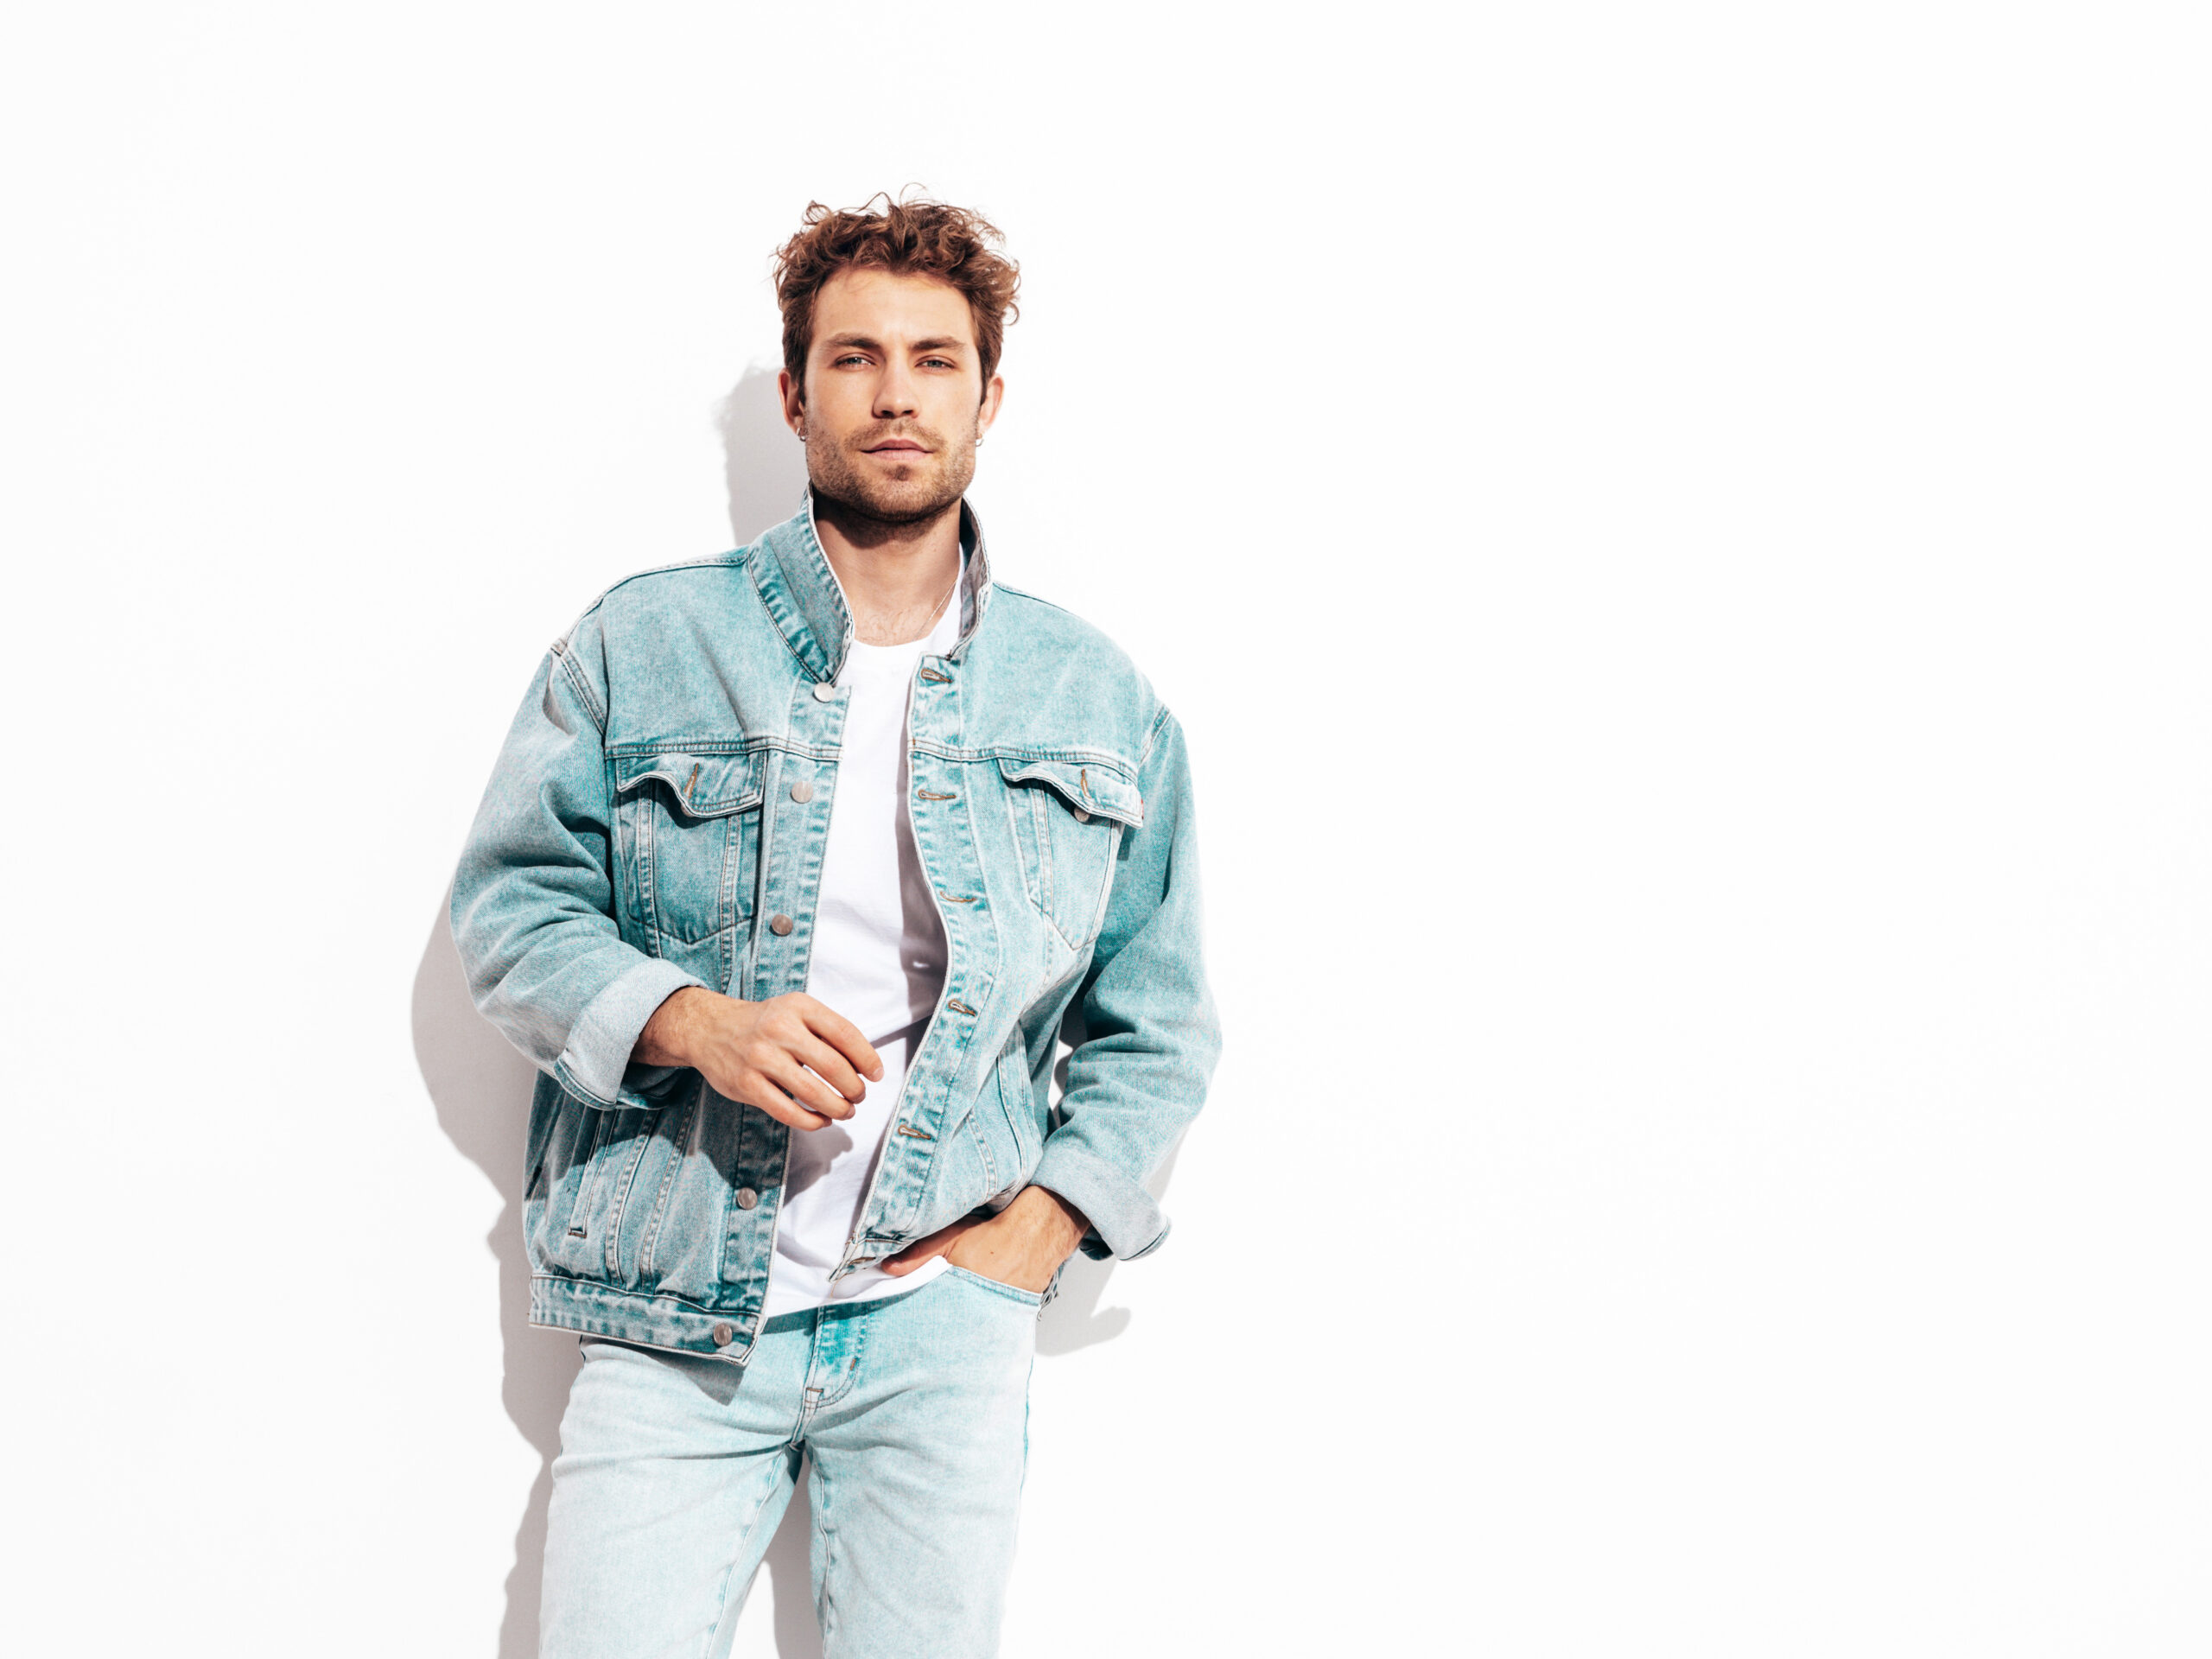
(795, 864)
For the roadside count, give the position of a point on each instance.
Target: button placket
(944, 836)
(795, 845)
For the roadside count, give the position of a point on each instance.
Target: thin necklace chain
(936, 610)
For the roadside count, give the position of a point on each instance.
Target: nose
(894, 391)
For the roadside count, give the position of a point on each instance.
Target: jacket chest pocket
(686, 831)
(1068, 819)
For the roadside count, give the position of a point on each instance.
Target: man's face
(894, 398)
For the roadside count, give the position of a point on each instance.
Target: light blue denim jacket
(657, 819)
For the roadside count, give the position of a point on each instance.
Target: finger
(804, 1087)
(843, 1035)
(778, 1105)
(922, 1250)
(829, 1065)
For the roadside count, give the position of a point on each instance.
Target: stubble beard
(911, 494)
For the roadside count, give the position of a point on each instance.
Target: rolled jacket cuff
(596, 1066)
(1128, 1221)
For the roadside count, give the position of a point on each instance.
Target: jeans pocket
(1029, 1299)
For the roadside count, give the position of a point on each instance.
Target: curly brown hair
(922, 237)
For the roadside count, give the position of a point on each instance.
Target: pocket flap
(701, 785)
(1091, 789)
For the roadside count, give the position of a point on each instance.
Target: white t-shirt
(879, 959)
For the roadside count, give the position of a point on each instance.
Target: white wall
(1678, 536)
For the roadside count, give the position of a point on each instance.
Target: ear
(794, 397)
(993, 394)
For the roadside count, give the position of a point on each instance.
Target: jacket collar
(802, 594)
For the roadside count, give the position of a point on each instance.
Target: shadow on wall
(481, 1087)
(764, 467)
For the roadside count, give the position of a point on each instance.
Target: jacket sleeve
(533, 903)
(1150, 1035)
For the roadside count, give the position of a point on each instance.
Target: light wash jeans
(675, 1469)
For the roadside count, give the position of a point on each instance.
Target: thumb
(923, 1249)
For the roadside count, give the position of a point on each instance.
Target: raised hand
(797, 1060)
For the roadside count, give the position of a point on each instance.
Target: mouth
(897, 447)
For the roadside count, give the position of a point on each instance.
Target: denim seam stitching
(621, 1204)
(813, 543)
(824, 1611)
(1107, 759)
(1158, 724)
(1013, 1294)
(716, 743)
(565, 1075)
(745, 1535)
(984, 1150)
(733, 559)
(1015, 805)
(575, 678)
(805, 671)
(851, 1377)
(764, 742)
(646, 838)
(598, 1290)
(1105, 890)
(649, 1245)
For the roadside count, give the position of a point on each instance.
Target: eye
(939, 363)
(848, 360)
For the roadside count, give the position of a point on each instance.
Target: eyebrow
(936, 343)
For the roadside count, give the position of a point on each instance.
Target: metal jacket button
(1082, 817)
(802, 791)
(747, 1197)
(780, 924)
(722, 1334)
(825, 692)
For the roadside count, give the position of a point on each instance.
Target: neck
(895, 576)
